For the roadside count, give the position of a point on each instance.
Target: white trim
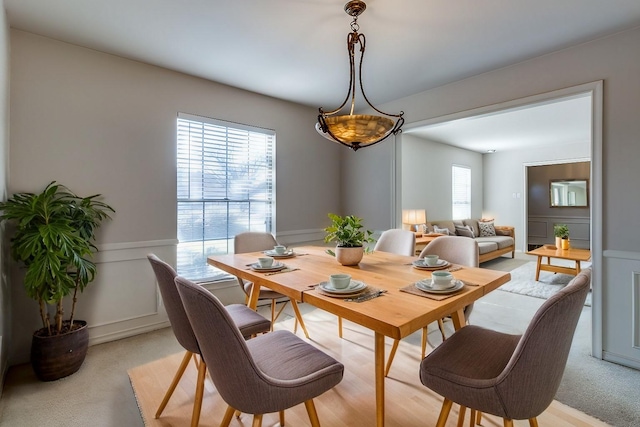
(609, 253)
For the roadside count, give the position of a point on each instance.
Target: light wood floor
(351, 403)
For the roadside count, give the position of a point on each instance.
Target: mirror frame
(568, 181)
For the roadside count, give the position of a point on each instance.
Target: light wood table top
(395, 314)
(573, 254)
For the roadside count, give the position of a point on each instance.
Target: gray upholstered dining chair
(457, 250)
(511, 376)
(248, 321)
(266, 374)
(254, 241)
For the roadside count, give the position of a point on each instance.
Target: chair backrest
(236, 376)
(457, 250)
(396, 241)
(253, 241)
(531, 379)
(165, 275)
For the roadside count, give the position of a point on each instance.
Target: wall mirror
(565, 193)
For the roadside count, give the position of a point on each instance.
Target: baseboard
(620, 360)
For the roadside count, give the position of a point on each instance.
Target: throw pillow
(444, 231)
(487, 229)
(465, 231)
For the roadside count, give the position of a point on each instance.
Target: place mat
(284, 270)
(412, 289)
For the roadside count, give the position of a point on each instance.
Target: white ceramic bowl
(441, 279)
(265, 262)
(340, 281)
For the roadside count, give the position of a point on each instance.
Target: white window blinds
(461, 192)
(225, 185)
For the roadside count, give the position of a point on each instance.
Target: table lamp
(413, 217)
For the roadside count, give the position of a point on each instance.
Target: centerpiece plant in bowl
(53, 240)
(350, 237)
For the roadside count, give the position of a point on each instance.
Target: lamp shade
(414, 216)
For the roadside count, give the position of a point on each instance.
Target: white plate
(420, 263)
(425, 285)
(287, 254)
(354, 286)
(277, 265)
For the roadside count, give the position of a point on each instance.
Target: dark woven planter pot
(59, 356)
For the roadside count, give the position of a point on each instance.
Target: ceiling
(296, 49)
(562, 121)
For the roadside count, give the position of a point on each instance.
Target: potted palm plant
(53, 240)
(347, 232)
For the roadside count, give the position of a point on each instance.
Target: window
(461, 192)
(225, 186)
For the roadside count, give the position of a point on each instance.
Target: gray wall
(426, 176)
(99, 123)
(5, 296)
(542, 217)
(616, 61)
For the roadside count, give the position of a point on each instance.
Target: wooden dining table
(395, 314)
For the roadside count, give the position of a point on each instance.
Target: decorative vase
(349, 256)
(565, 244)
(58, 356)
(558, 242)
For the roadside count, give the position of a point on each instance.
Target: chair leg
(174, 383)
(281, 418)
(340, 327)
(273, 313)
(313, 414)
(257, 420)
(441, 327)
(392, 354)
(279, 311)
(472, 418)
(444, 413)
(424, 342)
(237, 413)
(227, 417)
(296, 310)
(197, 404)
(533, 422)
(463, 410)
(507, 422)
(479, 418)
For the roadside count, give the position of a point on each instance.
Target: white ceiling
(296, 49)
(563, 121)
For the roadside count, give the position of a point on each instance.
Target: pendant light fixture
(356, 130)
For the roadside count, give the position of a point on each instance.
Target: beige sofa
(490, 246)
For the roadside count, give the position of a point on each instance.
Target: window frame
(226, 187)
(457, 190)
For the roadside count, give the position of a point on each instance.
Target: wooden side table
(423, 241)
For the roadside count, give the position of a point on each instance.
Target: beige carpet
(408, 402)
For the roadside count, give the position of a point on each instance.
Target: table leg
(253, 297)
(538, 268)
(379, 373)
(458, 319)
(577, 267)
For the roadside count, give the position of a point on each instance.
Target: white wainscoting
(621, 308)
(124, 300)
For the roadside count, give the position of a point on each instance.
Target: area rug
(523, 281)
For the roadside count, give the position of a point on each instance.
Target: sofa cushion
(444, 231)
(473, 223)
(465, 231)
(500, 241)
(486, 247)
(486, 229)
(446, 224)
